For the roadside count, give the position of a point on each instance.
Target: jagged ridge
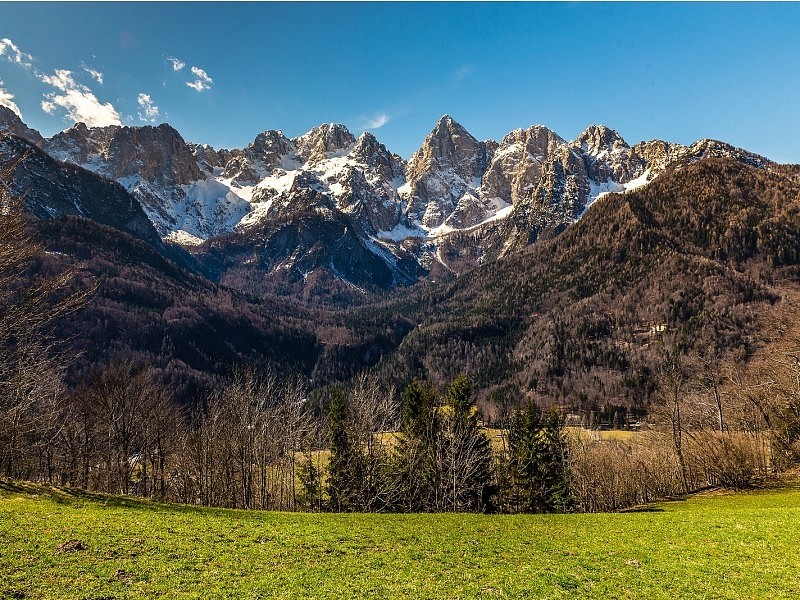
(410, 216)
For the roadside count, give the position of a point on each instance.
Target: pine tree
(342, 466)
(538, 470)
(418, 458)
(467, 468)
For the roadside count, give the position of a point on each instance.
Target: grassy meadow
(68, 544)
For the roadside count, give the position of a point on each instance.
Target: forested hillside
(147, 309)
(700, 256)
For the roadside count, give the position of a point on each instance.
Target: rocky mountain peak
(607, 157)
(520, 161)
(370, 152)
(208, 158)
(536, 138)
(81, 145)
(449, 163)
(657, 154)
(324, 140)
(449, 137)
(158, 154)
(708, 148)
(158, 167)
(447, 124)
(10, 122)
(267, 151)
(597, 138)
(271, 145)
(367, 140)
(449, 146)
(249, 165)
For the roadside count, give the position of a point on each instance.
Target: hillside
(70, 544)
(148, 309)
(702, 253)
(699, 255)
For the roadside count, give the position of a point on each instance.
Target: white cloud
(61, 79)
(198, 85)
(7, 100)
(95, 74)
(149, 107)
(378, 121)
(201, 74)
(177, 63)
(462, 72)
(201, 82)
(78, 100)
(13, 54)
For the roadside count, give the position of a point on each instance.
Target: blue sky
(679, 72)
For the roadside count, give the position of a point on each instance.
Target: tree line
(263, 441)
(260, 443)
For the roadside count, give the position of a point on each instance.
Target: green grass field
(714, 546)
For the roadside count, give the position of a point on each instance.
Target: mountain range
(281, 209)
(531, 260)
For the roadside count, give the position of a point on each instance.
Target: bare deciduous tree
(30, 369)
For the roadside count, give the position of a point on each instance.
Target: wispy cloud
(177, 63)
(7, 100)
(378, 120)
(462, 72)
(13, 54)
(201, 81)
(78, 100)
(94, 73)
(149, 112)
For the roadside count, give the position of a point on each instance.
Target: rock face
(157, 166)
(448, 167)
(11, 123)
(607, 157)
(519, 162)
(249, 166)
(324, 142)
(279, 204)
(208, 159)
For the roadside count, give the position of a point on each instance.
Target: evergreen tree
(538, 473)
(418, 458)
(418, 406)
(359, 477)
(342, 476)
(468, 476)
(310, 482)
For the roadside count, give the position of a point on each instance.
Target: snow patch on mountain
(212, 207)
(183, 238)
(598, 190)
(499, 215)
(401, 232)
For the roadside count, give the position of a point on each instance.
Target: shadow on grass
(75, 497)
(643, 509)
